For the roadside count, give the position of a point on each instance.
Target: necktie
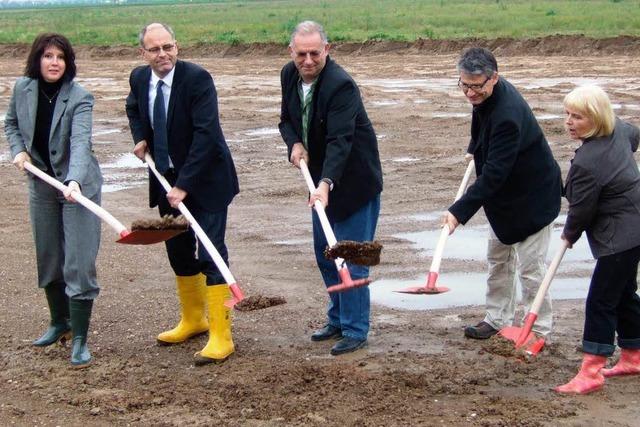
(160, 143)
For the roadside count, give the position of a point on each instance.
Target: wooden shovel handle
(202, 236)
(548, 277)
(87, 203)
(444, 234)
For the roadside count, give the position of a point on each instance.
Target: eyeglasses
(477, 87)
(156, 50)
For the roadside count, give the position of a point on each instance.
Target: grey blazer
(71, 155)
(603, 190)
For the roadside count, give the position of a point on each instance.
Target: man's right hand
(140, 149)
(20, 159)
(298, 152)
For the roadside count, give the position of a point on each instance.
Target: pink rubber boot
(588, 379)
(629, 364)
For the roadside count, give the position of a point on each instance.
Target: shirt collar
(168, 79)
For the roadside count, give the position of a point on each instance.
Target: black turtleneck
(47, 96)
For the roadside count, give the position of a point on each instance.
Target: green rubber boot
(59, 327)
(80, 316)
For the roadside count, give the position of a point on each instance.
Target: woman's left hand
(71, 187)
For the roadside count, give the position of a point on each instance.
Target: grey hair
(309, 27)
(477, 61)
(143, 32)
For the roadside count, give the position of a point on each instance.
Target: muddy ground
(418, 368)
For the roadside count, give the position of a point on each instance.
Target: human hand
(298, 152)
(449, 220)
(175, 196)
(72, 186)
(468, 157)
(569, 244)
(140, 149)
(321, 194)
(20, 159)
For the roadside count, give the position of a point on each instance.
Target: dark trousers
(186, 256)
(613, 304)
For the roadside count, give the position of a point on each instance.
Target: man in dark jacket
(173, 114)
(323, 121)
(519, 186)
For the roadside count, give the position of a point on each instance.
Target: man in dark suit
(173, 114)
(519, 186)
(323, 121)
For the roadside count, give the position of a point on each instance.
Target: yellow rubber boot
(220, 345)
(193, 320)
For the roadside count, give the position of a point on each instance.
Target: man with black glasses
(519, 186)
(173, 114)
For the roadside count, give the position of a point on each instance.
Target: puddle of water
(293, 242)
(450, 115)
(112, 188)
(439, 84)
(262, 132)
(465, 289)
(548, 116)
(127, 160)
(471, 243)
(106, 132)
(405, 159)
(384, 103)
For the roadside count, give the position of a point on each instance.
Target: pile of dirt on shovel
(167, 222)
(360, 253)
(258, 302)
(502, 346)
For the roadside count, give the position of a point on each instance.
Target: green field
(247, 21)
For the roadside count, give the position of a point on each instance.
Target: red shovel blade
(523, 337)
(429, 288)
(147, 237)
(347, 282)
(236, 295)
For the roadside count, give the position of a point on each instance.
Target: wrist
(329, 182)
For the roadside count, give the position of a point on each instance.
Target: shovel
(236, 292)
(523, 336)
(347, 282)
(430, 287)
(131, 237)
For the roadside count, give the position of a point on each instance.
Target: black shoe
(326, 333)
(481, 331)
(347, 345)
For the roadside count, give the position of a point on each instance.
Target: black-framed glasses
(476, 87)
(157, 49)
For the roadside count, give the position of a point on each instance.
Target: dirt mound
(569, 45)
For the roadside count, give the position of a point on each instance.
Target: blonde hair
(594, 103)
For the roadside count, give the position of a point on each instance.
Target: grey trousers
(525, 259)
(67, 238)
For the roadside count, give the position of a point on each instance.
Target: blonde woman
(603, 190)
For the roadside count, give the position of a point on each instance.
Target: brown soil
(361, 253)
(418, 369)
(167, 222)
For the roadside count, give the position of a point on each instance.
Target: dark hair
(43, 41)
(476, 61)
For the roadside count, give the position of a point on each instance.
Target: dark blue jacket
(197, 148)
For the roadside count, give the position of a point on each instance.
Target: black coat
(603, 190)
(197, 148)
(342, 143)
(518, 183)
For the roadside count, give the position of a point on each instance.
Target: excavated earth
(418, 369)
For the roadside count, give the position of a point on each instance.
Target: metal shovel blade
(345, 286)
(429, 288)
(236, 295)
(147, 237)
(523, 339)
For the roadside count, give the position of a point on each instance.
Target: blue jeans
(348, 310)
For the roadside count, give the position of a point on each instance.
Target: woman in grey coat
(49, 125)
(603, 190)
